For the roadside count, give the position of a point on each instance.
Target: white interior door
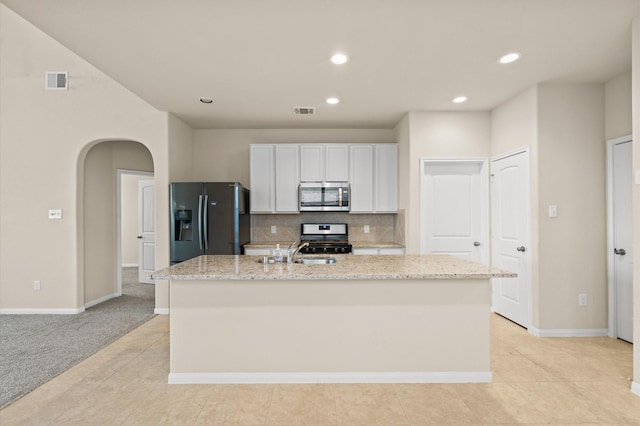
(622, 176)
(510, 235)
(146, 230)
(453, 210)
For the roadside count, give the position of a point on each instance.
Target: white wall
(223, 155)
(617, 97)
(436, 135)
(635, 66)
(572, 247)
(44, 139)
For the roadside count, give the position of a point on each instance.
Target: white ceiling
(260, 58)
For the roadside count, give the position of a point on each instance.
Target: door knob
(621, 252)
(521, 248)
(476, 243)
(139, 237)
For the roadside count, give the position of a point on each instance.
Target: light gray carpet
(36, 348)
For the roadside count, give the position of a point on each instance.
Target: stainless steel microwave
(324, 196)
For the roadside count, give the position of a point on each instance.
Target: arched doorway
(100, 257)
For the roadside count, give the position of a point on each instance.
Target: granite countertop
(347, 267)
(355, 244)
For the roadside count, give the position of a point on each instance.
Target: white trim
(511, 153)
(569, 332)
(101, 299)
(364, 377)
(119, 173)
(484, 198)
(611, 284)
(129, 265)
(161, 311)
(635, 388)
(41, 311)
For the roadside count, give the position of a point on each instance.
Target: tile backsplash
(382, 227)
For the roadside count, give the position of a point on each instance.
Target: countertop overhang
(347, 267)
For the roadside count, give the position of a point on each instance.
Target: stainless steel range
(325, 238)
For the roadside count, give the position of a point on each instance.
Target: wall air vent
(56, 80)
(304, 110)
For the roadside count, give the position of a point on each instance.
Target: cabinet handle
(620, 252)
(521, 248)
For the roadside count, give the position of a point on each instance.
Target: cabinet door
(392, 251)
(365, 251)
(386, 178)
(262, 179)
(312, 163)
(336, 163)
(287, 174)
(361, 178)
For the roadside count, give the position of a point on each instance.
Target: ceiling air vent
(57, 81)
(304, 110)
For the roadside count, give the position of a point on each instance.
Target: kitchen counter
(364, 319)
(347, 267)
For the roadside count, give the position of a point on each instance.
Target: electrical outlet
(55, 214)
(582, 299)
(273, 229)
(366, 229)
(553, 211)
(36, 285)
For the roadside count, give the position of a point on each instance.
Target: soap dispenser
(277, 254)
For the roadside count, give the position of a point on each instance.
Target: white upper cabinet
(311, 163)
(361, 178)
(287, 178)
(373, 177)
(275, 175)
(277, 169)
(324, 163)
(262, 176)
(386, 178)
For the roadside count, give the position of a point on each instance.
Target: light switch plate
(553, 211)
(55, 214)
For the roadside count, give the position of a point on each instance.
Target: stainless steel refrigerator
(208, 218)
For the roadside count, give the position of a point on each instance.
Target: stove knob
(344, 249)
(313, 250)
(325, 249)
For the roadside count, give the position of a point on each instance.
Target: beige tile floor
(536, 381)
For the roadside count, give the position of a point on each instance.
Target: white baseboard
(569, 332)
(129, 265)
(635, 388)
(161, 311)
(365, 377)
(100, 300)
(41, 311)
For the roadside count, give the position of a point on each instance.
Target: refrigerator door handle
(205, 234)
(200, 221)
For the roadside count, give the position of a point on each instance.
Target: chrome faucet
(291, 252)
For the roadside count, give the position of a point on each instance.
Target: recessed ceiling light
(509, 58)
(333, 101)
(206, 100)
(459, 99)
(339, 58)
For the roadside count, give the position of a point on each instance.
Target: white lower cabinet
(397, 251)
(257, 251)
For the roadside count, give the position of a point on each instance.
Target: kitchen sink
(315, 260)
(304, 260)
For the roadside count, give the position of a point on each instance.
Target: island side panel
(431, 330)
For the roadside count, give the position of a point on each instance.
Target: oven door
(324, 196)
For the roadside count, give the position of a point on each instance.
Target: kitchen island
(362, 319)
